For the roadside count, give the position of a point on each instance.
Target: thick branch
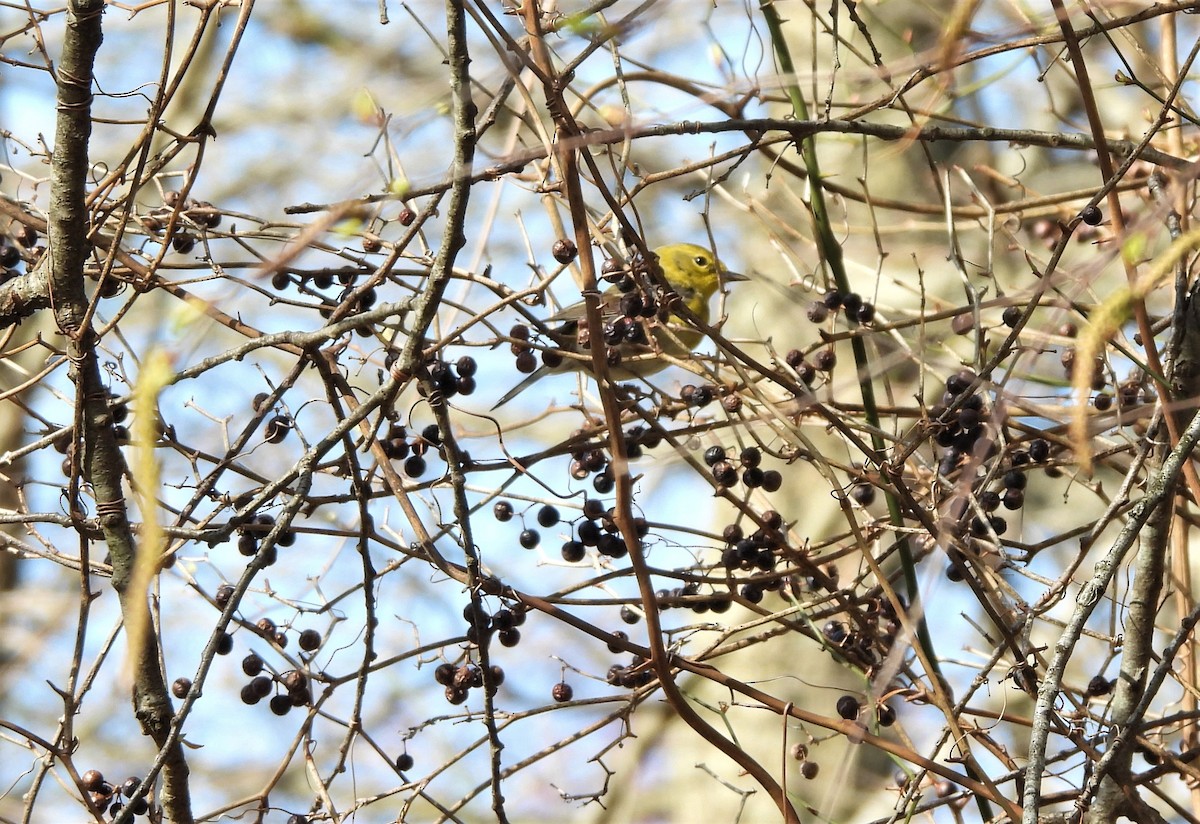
(98, 457)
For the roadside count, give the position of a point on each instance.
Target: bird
(631, 317)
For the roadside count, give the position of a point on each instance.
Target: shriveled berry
(565, 250)
(825, 360)
(180, 687)
(562, 692)
(502, 511)
(809, 769)
(223, 596)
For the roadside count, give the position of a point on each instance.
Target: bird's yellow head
(694, 272)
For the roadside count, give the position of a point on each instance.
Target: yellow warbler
(638, 328)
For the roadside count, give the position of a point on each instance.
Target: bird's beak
(733, 277)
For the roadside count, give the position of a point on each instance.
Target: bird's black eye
(701, 261)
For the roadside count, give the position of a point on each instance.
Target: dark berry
(604, 482)
(589, 533)
(825, 360)
(1039, 449)
(562, 692)
(415, 466)
(847, 707)
(573, 552)
(724, 473)
(509, 637)
(1015, 479)
(225, 644)
(864, 494)
(834, 632)
(817, 312)
(547, 516)
(252, 664)
(309, 640)
(261, 686)
(224, 594)
(277, 429)
(530, 538)
(444, 674)
(180, 687)
(1012, 316)
(503, 511)
(714, 454)
(280, 704)
(404, 762)
(1091, 215)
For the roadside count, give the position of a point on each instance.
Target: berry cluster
(108, 797)
(197, 216)
(851, 305)
(460, 680)
(17, 247)
(412, 450)
(749, 461)
(261, 524)
(293, 683)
